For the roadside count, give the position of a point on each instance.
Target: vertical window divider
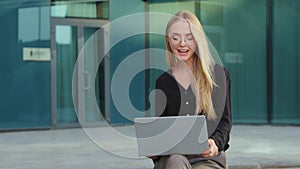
(269, 60)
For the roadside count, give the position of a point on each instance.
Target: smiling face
(182, 42)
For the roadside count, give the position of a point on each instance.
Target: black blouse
(178, 100)
(172, 100)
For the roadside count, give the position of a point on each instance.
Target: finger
(209, 153)
(206, 153)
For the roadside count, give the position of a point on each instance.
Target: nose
(182, 42)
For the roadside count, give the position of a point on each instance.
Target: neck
(184, 66)
(183, 74)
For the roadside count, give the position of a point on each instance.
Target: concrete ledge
(268, 165)
(252, 147)
(245, 166)
(289, 166)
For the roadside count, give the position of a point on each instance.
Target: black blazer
(172, 100)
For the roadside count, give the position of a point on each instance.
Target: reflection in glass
(69, 9)
(66, 49)
(30, 25)
(92, 52)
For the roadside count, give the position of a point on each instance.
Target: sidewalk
(251, 147)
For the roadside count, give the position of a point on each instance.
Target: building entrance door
(68, 38)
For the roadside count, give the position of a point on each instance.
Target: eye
(189, 38)
(175, 38)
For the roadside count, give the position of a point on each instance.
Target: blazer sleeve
(221, 135)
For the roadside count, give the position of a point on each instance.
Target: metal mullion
(80, 22)
(107, 94)
(80, 78)
(53, 76)
(269, 60)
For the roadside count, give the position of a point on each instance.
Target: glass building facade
(257, 41)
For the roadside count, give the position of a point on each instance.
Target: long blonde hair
(203, 66)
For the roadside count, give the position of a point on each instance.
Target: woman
(194, 84)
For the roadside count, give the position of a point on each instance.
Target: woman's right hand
(212, 150)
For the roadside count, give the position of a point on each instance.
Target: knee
(178, 161)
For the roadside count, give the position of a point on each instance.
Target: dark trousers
(182, 162)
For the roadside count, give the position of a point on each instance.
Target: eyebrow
(180, 34)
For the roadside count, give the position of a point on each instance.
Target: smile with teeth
(183, 50)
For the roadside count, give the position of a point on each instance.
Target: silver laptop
(171, 135)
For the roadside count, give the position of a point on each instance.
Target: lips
(183, 52)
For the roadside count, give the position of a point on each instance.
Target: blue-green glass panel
(286, 61)
(80, 9)
(25, 85)
(237, 29)
(92, 51)
(121, 48)
(66, 55)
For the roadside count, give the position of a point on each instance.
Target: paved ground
(251, 147)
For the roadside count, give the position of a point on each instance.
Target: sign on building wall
(36, 54)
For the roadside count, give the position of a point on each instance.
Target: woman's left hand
(212, 149)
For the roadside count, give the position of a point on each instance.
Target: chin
(184, 58)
